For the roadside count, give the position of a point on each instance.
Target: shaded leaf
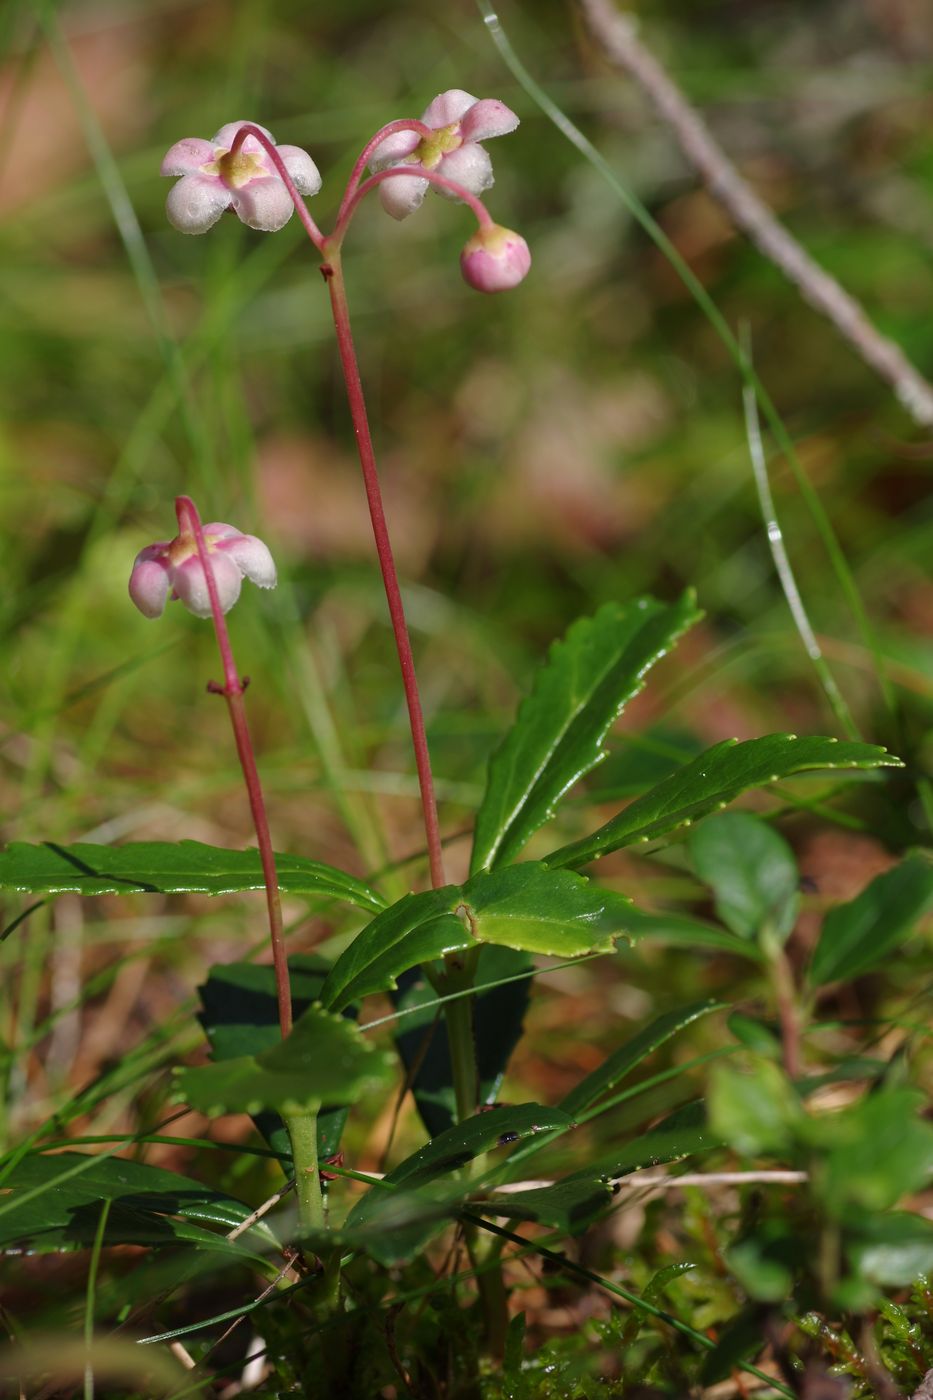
(498, 1013)
(525, 907)
(53, 1202)
(240, 1016)
(558, 735)
(714, 779)
(574, 1202)
(628, 1056)
(892, 1250)
(684, 932)
(325, 1059)
(756, 1111)
(752, 873)
(643, 760)
(857, 936)
(169, 867)
(874, 1153)
(396, 1220)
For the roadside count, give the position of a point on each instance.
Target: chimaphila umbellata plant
(290, 1051)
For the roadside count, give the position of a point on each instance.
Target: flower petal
(470, 166)
(487, 118)
(149, 583)
(187, 156)
(402, 195)
(263, 204)
(394, 149)
(196, 202)
(301, 168)
(448, 107)
(224, 137)
(251, 557)
(191, 585)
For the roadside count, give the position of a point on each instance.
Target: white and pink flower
(173, 567)
(458, 124)
(248, 183)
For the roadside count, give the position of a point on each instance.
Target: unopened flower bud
(495, 259)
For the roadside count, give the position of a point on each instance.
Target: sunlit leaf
(169, 867)
(525, 907)
(711, 781)
(558, 735)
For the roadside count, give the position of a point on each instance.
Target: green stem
(302, 1130)
(458, 1016)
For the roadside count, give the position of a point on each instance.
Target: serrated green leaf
(752, 873)
(53, 1202)
(558, 736)
(711, 781)
(325, 1059)
(629, 1056)
(859, 935)
(241, 1017)
(169, 867)
(416, 930)
(526, 907)
(396, 1220)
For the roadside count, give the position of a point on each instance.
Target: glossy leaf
(416, 930)
(525, 907)
(325, 1059)
(169, 867)
(53, 1202)
(629, 1056)
(752, 873)
(711, 781)
(396, 1220)
(859, 935)
(498, 1012)
(240, 1016)
(558, 735)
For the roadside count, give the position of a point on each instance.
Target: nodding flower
(213, 180)
(174, 567)
(458, 124)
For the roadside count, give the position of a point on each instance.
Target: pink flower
(495, 259)
(458, 123)
(174, 566)
(248, 183)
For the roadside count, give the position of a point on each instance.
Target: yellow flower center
(236, 170)
(440, 143)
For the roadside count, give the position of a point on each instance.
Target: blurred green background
(577, 440)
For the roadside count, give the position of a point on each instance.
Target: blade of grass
(709, 308)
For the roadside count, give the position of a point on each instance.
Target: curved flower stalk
(447, 141)
(215, 177)
(204, 566)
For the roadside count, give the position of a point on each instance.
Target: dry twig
(618, 40)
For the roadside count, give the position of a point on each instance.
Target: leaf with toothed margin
(712, 780)
(526, 907)
(325, 1059)
(169, 867)
(589, 676)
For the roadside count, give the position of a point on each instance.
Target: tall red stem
(333, 273)
(189, 522)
